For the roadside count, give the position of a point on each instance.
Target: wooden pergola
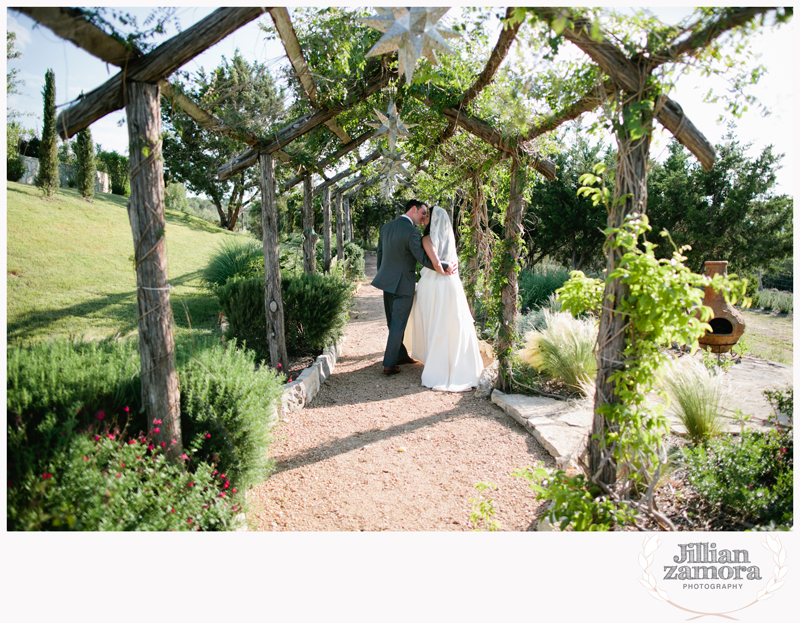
(143, 78)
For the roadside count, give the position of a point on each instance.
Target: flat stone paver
(563, 427)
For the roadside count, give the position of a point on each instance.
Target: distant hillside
(70, 266)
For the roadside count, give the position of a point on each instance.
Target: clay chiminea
(727, 324)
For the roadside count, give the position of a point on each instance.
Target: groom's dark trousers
(398, 309)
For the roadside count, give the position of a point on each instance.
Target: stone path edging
(302, 390)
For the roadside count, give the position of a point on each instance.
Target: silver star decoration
(391, 167)
(391, 123)
(413, 32)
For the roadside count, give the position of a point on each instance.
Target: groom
(399, 250)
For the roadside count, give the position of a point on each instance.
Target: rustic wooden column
(348, 223)
(273, 302)
(309, 236)
(631, 183)
(160, 393)
(339, 230)
(326, 234)
(513, 239)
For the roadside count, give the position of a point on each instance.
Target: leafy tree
(118, 169)
(558, 222)
(241, 95)
(12, 82)
(175, 197)
(728, 213)
(84, 154)
(47, 178)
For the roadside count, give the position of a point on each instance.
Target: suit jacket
(399, 250)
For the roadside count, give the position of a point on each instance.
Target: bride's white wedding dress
(441, 332)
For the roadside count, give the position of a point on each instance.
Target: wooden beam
(347, 173)
(362, 186)
(376, 81)
(345, 149)
(283, 24)
(156, 65)
(629, 77)
(497, 56)
(72, 25)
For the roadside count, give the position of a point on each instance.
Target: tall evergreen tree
(47, 178)
(84, 153)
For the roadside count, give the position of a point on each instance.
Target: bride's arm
(431, 252)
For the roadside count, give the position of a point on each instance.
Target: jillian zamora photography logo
(712, 576)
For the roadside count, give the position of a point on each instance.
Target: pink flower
(222, 476)
(156, 430)
(189, 520)
(205, 505)
(150, 447)
(101, 415)
(172, 510)
(45, 476)
(131, 442)
(111, 436)
(214, 472)
(234, 489)
(86, 458)
(191, 484)
(127, 409)
(174, 441)
(119, 475)
(184, 457)
(208, 435)
(163, 444)
(222, 495)
(156, 421)
(97, 437)
(123, 466)
(226, 485)
(280, 366)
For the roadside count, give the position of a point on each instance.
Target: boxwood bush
(315, 311)
(66, 394)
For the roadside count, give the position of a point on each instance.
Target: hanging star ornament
(413, 32)
(391, 124)
(391, 168)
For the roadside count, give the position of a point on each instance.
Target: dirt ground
(374, 453)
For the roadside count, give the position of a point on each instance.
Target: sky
(76, 71)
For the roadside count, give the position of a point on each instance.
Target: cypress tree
(84, 153)
(47, 178)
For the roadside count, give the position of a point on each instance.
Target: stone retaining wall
(66, 172)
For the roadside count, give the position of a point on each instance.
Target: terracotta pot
(727, 324)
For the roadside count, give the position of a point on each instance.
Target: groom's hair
(414, 203)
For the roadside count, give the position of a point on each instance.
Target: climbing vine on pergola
(621, 80)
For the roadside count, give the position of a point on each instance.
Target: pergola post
(273, 301)
(348, 223)
(339, 229)
(513, 239)
(309, 236)
(326, 234)
(160, 394)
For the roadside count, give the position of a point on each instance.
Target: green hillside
(70, 266)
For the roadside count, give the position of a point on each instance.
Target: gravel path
(384, 453)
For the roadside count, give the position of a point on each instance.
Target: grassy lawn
(70, 266)
(768, 335)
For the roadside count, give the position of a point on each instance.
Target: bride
(440, 331)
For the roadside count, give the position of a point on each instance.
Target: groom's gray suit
(399, 250)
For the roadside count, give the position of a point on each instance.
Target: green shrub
(100, 483)
(15, 168)
(751, 476)
(536, 285)
(564, 350)
(228, 410)
(237, 255)
(315, 311)
(697, 398)
(354, 261)
(776, 300)
(64, 393)
(57, 388)
(535, 320)
(319, 251)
